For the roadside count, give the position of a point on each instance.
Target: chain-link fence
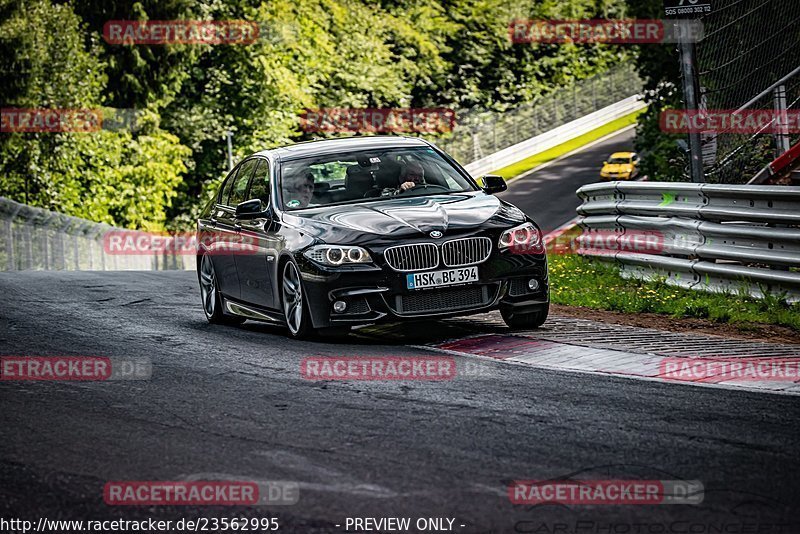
(480, 133)
(37, 239)
(749, 58)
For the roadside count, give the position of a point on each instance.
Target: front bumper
(376, 293)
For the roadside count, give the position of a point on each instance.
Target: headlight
(522, 239)
(335, 255)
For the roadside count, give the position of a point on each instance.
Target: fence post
(691, 99)
(782, 126)
(555, 110)
(613, 87)
(9, 244)
(574, 100)
(516, 128)
(10, 238)
(60, 261)
(28, 245)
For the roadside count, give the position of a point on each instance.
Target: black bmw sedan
(325, 235)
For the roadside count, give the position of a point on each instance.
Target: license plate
(447, 277)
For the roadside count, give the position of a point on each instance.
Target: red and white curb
(529, 351)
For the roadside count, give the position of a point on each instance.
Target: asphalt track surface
(548, 194)
(231, 402)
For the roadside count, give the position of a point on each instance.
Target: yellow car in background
(620, 166)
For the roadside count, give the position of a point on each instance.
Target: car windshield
(366, 175)
(619, 160)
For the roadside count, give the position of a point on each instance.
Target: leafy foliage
(49, 61)
(312, 53)
(663, 159)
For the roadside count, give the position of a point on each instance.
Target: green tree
(663, 159)
(118, 177)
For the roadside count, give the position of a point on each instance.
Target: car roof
(340, 144)
(622, 154)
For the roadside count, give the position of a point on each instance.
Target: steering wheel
(422, 186)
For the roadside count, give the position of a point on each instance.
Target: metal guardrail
(718, 238)
(38, 239)
(480, 134)
(556, 136)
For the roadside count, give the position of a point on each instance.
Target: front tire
(210, 296)
(519, 321)
(295, 304)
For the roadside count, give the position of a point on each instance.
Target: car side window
(240, 183)
(259, 186)
(226, 188)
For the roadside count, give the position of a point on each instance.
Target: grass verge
(559, 150)
(579, 281)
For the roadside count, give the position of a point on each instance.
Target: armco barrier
(556, 136)
(715, 237)
(485, 140)
(37, 239)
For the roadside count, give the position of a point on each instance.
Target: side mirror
(605, 163)
(251, 209)
(494, 184)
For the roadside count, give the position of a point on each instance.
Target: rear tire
(210, 295)
(525, 320)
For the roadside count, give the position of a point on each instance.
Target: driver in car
(299, 189)
(413, 175)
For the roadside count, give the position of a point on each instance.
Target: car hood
(618, 167)
(407, 217)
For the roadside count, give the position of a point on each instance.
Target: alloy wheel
(208, 285)
(292, 297)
